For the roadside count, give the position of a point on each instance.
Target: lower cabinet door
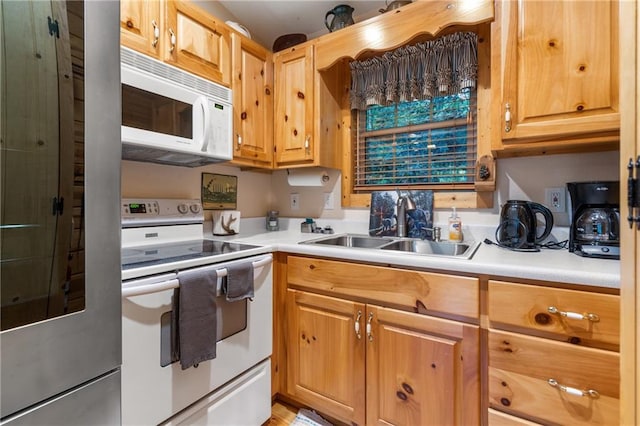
(326, 354)
(421, 370)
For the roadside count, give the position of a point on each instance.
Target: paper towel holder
(324, 177)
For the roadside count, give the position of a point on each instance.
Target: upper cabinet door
(197, 42)
(140, 23)
(556, 64)
(252, 103)
(294, 106)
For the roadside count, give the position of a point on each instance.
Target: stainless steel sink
(397, 244)
(439, 248)
(351, 240)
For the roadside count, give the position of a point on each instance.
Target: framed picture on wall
(219, 192)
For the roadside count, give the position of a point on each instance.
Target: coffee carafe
(595, 219)
(518, 227)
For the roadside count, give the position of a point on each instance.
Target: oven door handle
(139, 290)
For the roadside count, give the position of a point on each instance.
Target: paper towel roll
(307, 177)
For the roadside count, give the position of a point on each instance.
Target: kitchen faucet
(405, 204)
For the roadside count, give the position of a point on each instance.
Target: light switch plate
(328, 201)
(295, 201)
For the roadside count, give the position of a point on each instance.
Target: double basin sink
(400, 244)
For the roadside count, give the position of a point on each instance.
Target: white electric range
(160, 238)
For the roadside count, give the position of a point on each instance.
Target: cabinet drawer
(528, 306)
(388, 286)
(497, 418)
(520, 368)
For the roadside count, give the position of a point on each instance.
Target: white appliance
(232, 389)
(170, 116)
(60, 338)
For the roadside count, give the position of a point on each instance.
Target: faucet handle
(435, 232)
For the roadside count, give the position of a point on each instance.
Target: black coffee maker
(595, 219)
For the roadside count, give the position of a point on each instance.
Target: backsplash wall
(159, 181)
(518, 178)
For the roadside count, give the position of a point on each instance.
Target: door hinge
(633, 192)
(58, 206)
(53, 27)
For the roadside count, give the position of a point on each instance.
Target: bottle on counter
(272, 220)
(455, 227)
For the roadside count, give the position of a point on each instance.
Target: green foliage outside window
(440, 150)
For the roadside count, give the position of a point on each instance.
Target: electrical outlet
(295, 201)
(328, 201)
(556, 199)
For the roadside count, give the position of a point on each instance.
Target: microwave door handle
(202, 103)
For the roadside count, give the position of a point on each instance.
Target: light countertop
(546, 265)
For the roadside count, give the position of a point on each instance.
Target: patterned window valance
(437, 67)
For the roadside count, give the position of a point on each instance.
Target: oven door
(154, 387)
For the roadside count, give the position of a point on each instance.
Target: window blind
(427, 143)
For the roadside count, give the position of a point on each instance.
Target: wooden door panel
(558, 80)
(137, 28)
(294, 106)
(421, 370)
(202, 45)
(253, 103)
(551, 45)
(326, 358)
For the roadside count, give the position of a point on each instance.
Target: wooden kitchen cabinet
(294, 141)
(202, 43)
(252, 86)
(140, 23)
(352, 358)
(179, 33)
(310, 110)
(337, 345)
(555, 81)
(553, 355)
(325, 356)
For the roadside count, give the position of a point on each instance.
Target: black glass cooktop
(138, 257)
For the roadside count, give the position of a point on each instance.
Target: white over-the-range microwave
(170, 116)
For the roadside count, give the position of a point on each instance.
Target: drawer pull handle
(574, 391)
(574, 315)
(357, 325)
(369, 333)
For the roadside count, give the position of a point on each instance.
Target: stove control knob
(195, 208)
(183, 208)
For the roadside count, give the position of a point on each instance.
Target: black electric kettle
(518, 227)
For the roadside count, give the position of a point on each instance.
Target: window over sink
(423, 143)
(422, 128)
